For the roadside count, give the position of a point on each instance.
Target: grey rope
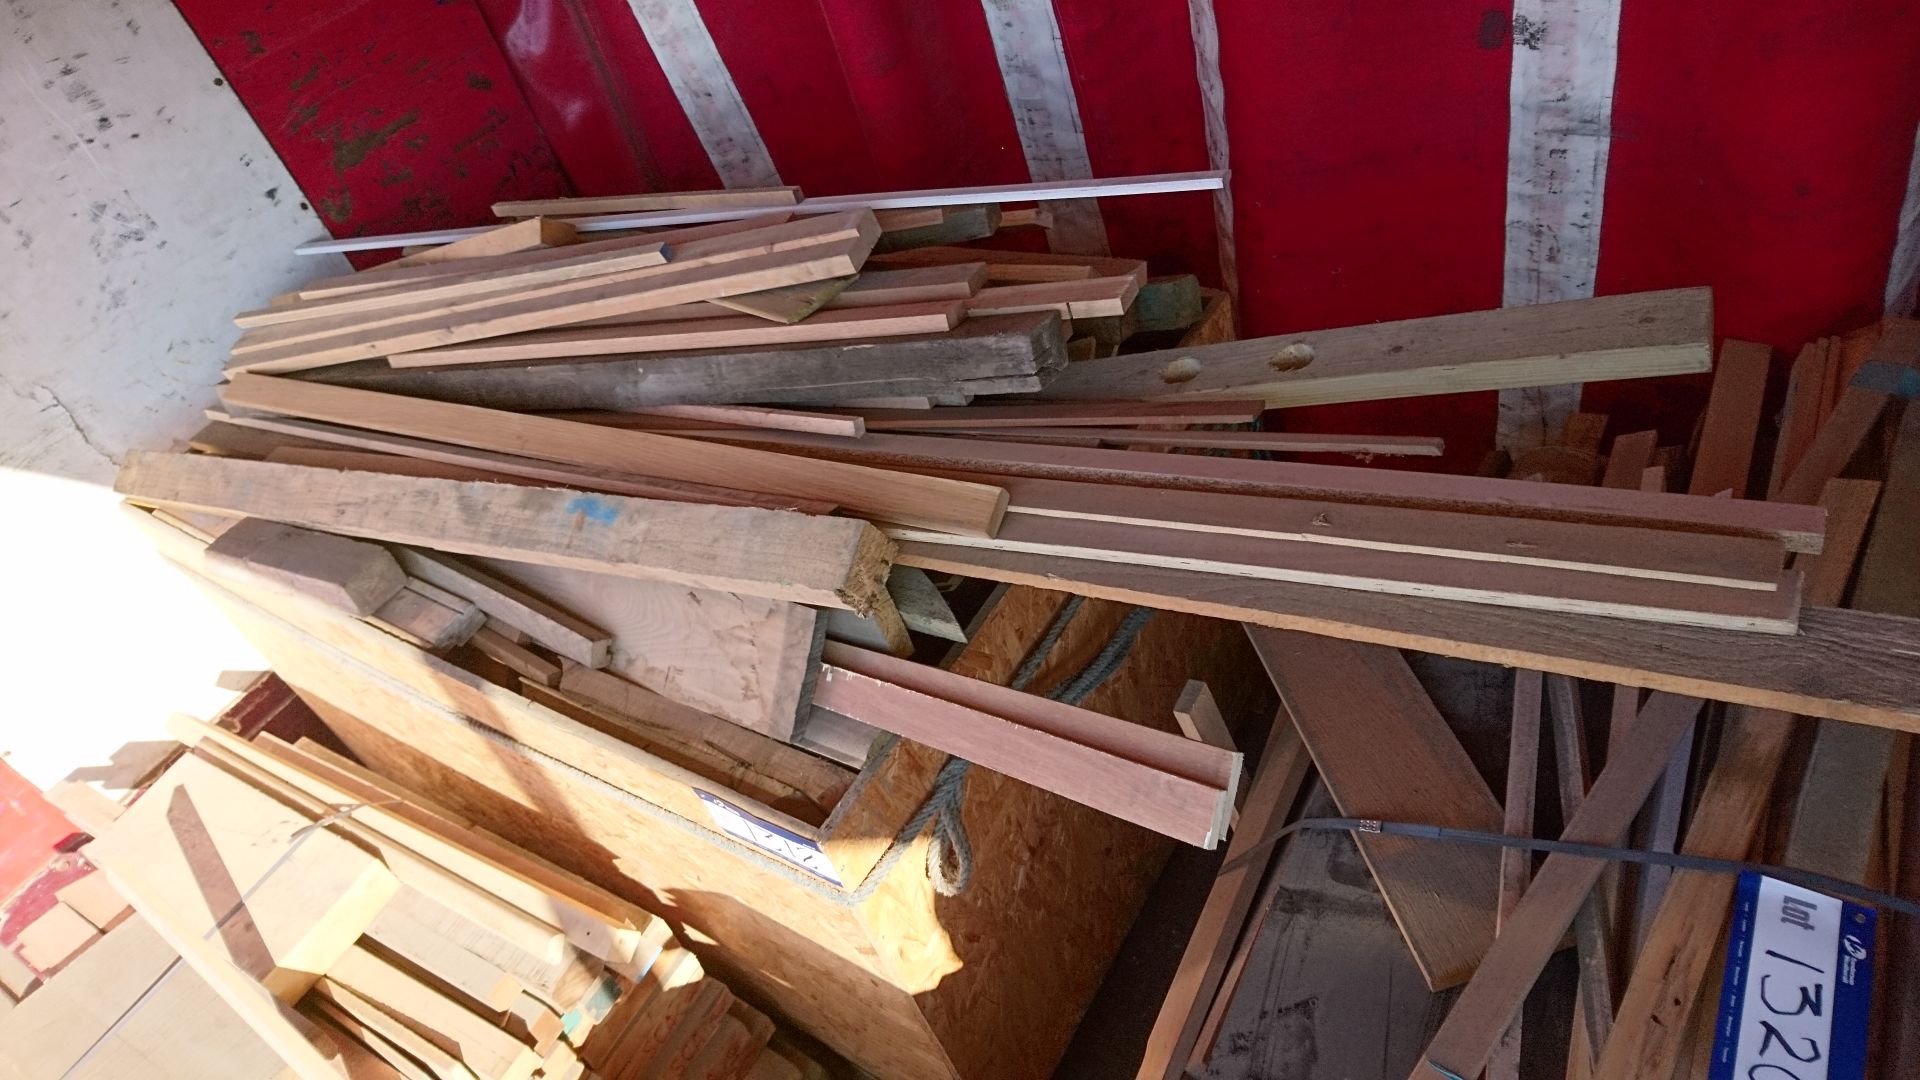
(1112, 655)
(1036, 656)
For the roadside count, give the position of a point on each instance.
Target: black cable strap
(1680, 860)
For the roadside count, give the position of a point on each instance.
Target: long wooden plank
(556, 629)
(632, 255)
(1517, 815)
(423, 457)
(1396, 573)
(869, 289)
(1276, 442)
(1094, 298)
(1116, 414)
(1798, 527)
(1593, 998)
(1348, 700)
(581, 205)
(1276, 784)
(1840, 798)
(366, 312)
(828, 561)
(741, 331)
(431, 323)
(745, 659)
(1732, 562)
(1154, 778)
(1018, 349)
(419, 945)
(400, 273)
(1843, 665)
(362, 1018)
(1681, 940)
(1732, 420)
(1632, 336)
(819, 423)
(1492, 998)
(912, 500)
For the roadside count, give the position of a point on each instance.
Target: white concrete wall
(139, 209)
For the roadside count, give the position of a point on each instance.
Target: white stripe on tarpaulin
(1903, 275)
(1033, 62)
(705, 88)
(1560, 111)
(1213, 112)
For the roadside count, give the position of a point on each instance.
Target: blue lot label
(1794, 1002)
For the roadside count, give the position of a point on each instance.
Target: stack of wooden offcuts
(648, 525)
(297, 912)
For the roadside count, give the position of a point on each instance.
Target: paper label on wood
(783, 845)
(1799, 984)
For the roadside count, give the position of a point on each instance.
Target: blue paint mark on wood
(594, 509)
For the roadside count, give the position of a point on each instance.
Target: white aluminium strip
(885, 200)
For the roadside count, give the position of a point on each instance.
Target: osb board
(1055, 885)
(745, 658)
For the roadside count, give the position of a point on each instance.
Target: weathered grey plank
(992, 354)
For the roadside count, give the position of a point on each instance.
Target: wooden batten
(847, 557)
(1001, 354)
(1842, 665)
(1798, 527)
(736, 332)
(1157, 779)
(1398, 573)
(1616, 337)
(912, 500)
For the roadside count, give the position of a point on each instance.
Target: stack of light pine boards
(276, 935)
(642, 480)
